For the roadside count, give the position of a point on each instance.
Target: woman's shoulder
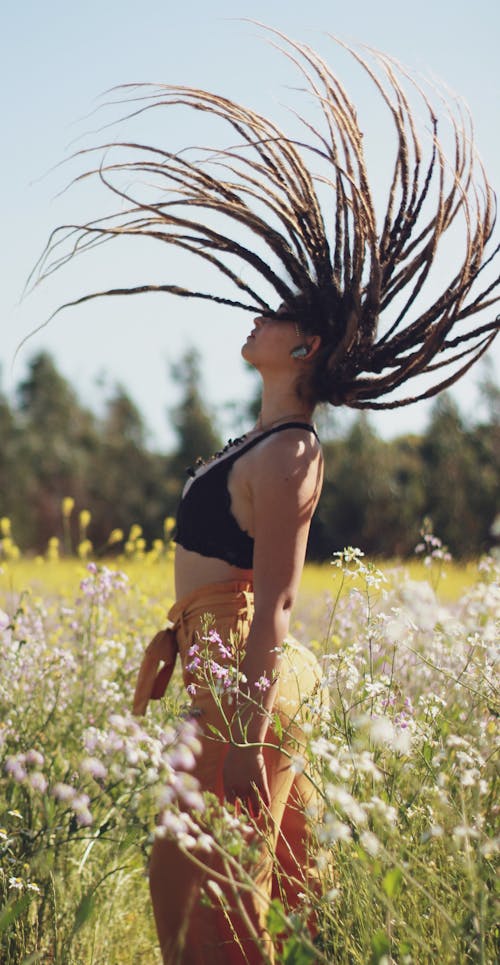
(293, 439)
(288, 453)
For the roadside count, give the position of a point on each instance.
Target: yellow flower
(53, 548)
(84, 549)
(85, 517)
(5, 526)
(68, 504)
(8, 548)
(115, 536)
(168, 525)
(135, 532)
(140, 544)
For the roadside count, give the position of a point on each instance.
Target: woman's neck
(279, 406)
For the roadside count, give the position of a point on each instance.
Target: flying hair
(295, 219)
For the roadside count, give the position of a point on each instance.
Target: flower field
(403, 758)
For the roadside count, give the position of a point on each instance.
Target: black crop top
(205, 523)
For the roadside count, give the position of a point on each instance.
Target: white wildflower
(205, 842)
(401, 742)
(216, 889)
(297, 764)
(464, 832)
(490, 847)
(16, 883)
(345, 801)
(381, 730)
(470, 777)
(382, 809)
(398, 627)
(332, 894)
(370, 842)
(333, 830)
(366, 765)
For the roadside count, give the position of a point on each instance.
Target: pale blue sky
(58, 57)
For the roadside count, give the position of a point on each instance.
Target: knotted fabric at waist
(226, 598)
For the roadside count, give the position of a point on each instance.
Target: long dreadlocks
(354, 283)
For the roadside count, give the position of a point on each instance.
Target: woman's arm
(285, 487)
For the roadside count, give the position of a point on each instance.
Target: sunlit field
(156, 578)
(403, 757)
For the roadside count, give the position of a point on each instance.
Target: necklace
(231, 443)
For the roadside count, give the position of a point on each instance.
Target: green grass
(404, 760)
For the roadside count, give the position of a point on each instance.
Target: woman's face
(272, 339)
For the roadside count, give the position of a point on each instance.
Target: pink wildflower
(63, 792)
(34, 757)
(80, 807)
(224, 651)
(182, 758)
(15, 767)
(213, 637)
(95, 767)
(38, 781)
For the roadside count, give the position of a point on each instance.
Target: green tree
(355, 479)
(454, 479)
(485, 440)
(372, 496)
(128, 484)
(192, 420)
(55, 445)
(10, 502)
(408, 497)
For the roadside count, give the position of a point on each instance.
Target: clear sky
(58, 57)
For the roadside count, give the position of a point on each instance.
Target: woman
(294, 216)
(243, 566)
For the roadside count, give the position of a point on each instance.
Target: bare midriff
(193, 570)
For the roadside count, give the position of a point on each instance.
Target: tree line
(375, 496)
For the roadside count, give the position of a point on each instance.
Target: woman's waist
(230, 596)
(194, 571)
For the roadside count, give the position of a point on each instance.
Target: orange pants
(232, 931)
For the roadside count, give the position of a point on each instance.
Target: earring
(300, 352)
